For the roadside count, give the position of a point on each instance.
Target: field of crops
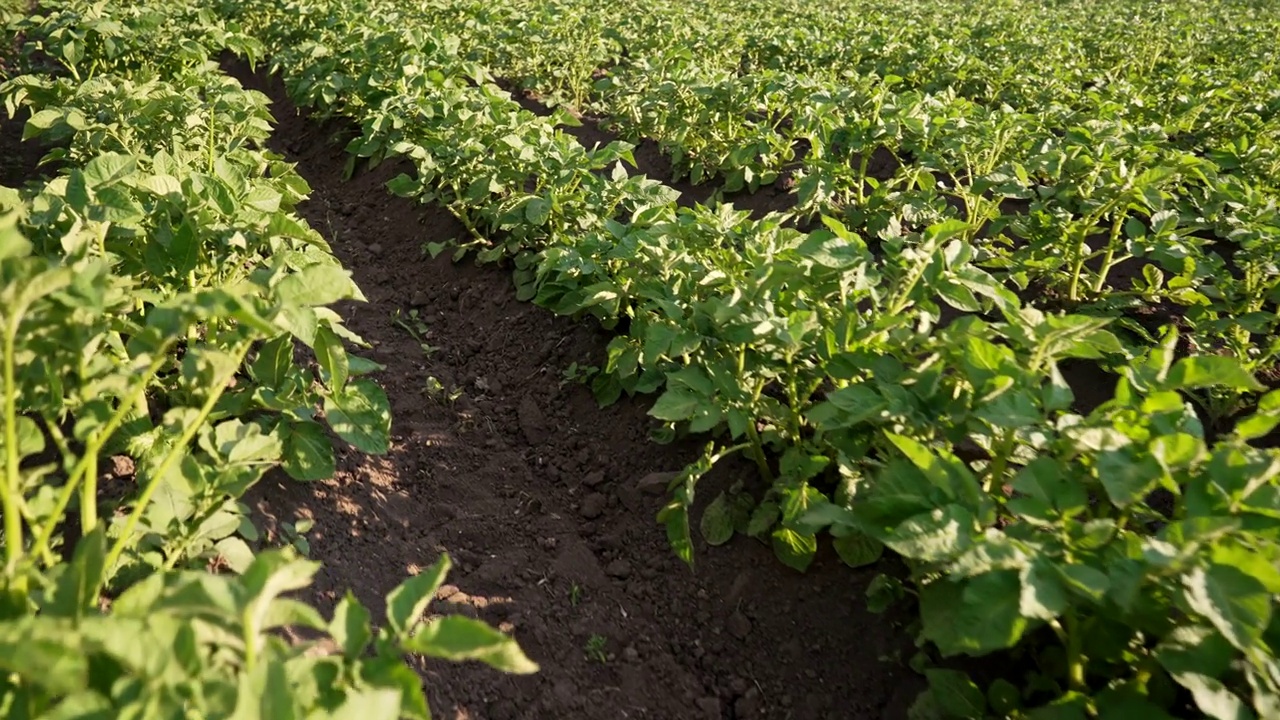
(978, 299)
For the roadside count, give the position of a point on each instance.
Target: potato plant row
(157, 285)
(891, 386)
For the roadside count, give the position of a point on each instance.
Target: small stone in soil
(739, 626)
(593, 506)
(375, 248)
(619, 568)
(631, 654)
(593, 479)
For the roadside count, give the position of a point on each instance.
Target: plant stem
(1109, 258)
(12, 480)
(757, 451)
(1075, 662)
(90, 454)
(218, 388)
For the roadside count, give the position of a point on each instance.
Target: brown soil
(537, 495)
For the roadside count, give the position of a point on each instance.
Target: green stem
(1075, 659)
(757, 451)
(13, 481)
(1109, 259)
(793, 401)
(1000, 462)
(91, 450)
(162, 469)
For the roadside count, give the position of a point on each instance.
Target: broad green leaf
(372, 703)
(361, 415)
(455, 637)
(273, 363)
(1213, 698)
(975, 617)
(763, 519)
(847, 407)
(1128, 476)
(108, 168)
(308, 453)
(1043, 597)
(677, 403)
(236, 552)
(794, 549)
(1195, 649)
(1070, 706)
(936, 536)
(350, 626)
(407, 602)
(332, 357)
(266, 693)
(47, 652)
(1238, 605)
(288, 612)
(1200, 371)
(717, 521)
(319, 284)
(957, 694)
(77, 589)
(858, 549)
(1004, 697)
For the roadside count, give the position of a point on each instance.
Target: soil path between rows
(537, 495)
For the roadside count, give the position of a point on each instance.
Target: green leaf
(1238, 605)
(1195, 649)
(374, 703)
(956, 694)
(308, 454)
(350, 627)
(1071, 706)
(319, 284)
(77, 589)
(361, 415)
(266, 693)
(537, 211)
(858, 549)
(763, 519)
(795, 550)
(1128, 476)
(974, 617)
(274, 360)
(676, 404)
(1004, 697)
(457, 638)
(1213, 698)
(332, 357)
(717, 521)
(1043, 597)
(108, 168)
(935, 536)
(1200, 371)
(847, 407)
(407, 602)
(236, 552)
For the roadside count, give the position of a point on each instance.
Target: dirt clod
(533, 423)
(620, 569)
(593, 506)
